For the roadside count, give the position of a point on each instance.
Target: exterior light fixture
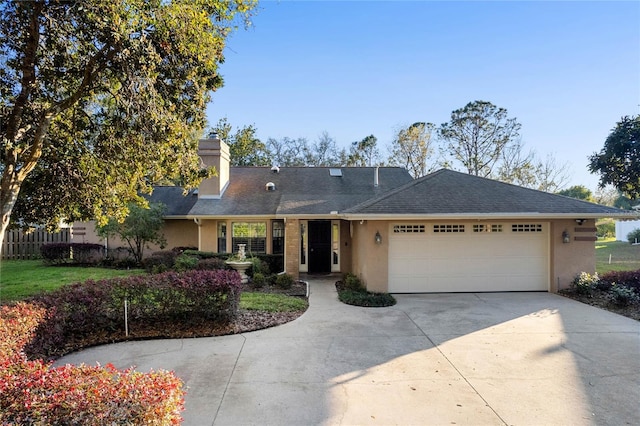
(378, 238)
(580, 221)
(566, 237)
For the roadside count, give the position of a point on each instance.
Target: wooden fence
(18, 244)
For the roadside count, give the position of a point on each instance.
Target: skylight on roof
(335, 172)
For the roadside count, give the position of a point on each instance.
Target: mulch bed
(599, 300)
(246, 321)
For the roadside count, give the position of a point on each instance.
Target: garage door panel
(469, 261)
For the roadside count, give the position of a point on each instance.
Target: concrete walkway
(435, 359)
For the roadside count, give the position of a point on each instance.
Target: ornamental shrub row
(622, 288)
(76, 253)
(35, 392)
(96, 307)
(629, 278)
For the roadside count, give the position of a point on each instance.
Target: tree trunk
(9, 189)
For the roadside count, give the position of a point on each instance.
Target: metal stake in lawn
(126, 320)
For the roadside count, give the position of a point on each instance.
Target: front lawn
(624, 256)
(23, 278)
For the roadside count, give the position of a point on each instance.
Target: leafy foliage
(477, 135)
(96, 306)
(585, 283)
(412, 148)
(140, 227)
(245, 149)
(364, 153)
(99, 100)
(352, 291)
(618, 163)
(628, 278)
(634, 236)
(622, 295)
(580, 192)
(76, 253)
(34, 392)
(284, 281)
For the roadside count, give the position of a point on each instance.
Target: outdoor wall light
(565, 237)
(580, 221)
(378, 238)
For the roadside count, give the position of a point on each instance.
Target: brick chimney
(214, 152)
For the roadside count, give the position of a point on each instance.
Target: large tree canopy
(100, 99)
(412, 148)
(477, 136)
(618, 163)
(245, 148)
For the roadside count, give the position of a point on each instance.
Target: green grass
(24, 278)
(624, 256)
(271, 302)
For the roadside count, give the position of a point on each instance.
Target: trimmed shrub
(258, 280)
(211, 264)
(366, 298)
(622, 295)
(185, 262)
(34, 392)
(76, 253)
(284, 281)
(585, 283)
(630, 279)
(160, 261)
(77, 310)
(352, 282)
(634, 236)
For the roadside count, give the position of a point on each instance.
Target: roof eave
(488, 216)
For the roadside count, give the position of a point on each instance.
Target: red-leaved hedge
(34, 392)
(97, 307)
(628, 278)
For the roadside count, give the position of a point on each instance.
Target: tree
(364, 153)
(618, 163)
(141, 227)
(245, 149)
(324, 152)
(412, 148)
(580, 192)
(287, 152)
(550, 176)
(99, 100)
(477, 135)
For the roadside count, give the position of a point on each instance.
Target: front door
(319, 246)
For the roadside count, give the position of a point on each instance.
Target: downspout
(198, 222)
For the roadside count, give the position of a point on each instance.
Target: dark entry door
(319, 246)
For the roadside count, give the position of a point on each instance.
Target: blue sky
(566, 70)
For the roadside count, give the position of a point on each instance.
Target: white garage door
(468, 257)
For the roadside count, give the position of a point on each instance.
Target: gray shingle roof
(299, 190)
(446, 192)
(173, 197)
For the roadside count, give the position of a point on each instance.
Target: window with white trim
(449, 228)
(408, 229)
(253, 234)
(526, 227)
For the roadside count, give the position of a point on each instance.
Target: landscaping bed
(600, 299)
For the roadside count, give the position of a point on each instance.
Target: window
(253, 234)
(494, 227)
(526, 227)
(222, 237)
(408, 229)
(277, 237)
(448, 228)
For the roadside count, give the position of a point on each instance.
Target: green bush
(185, 262)
(352, 282)
(366, 298)
(606, 229)
(258, 266)
(258, 280)
(622, 295)
(160, 261)
(211, 263)
(585, 283)
(634, 236)
(284, 281)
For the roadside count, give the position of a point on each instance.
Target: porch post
(292, 247)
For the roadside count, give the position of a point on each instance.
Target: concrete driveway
(437, 359)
